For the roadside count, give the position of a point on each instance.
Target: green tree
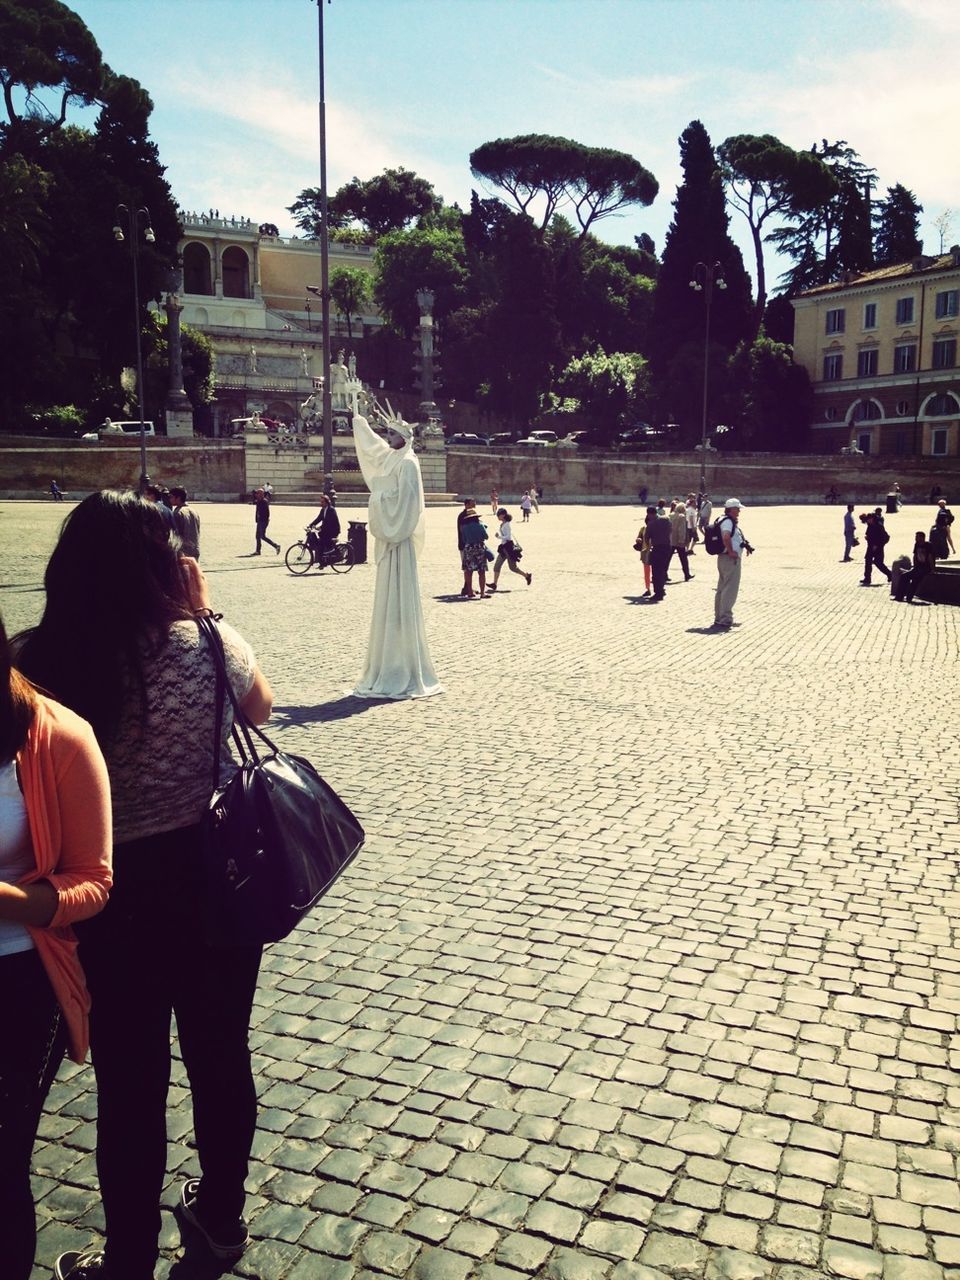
(775, 398)
(699, 233)
(350, 288)
(766, 178)
(595, 181)
(898, 227)
(831, 238)
(614, 388)
(198, 363)
(389, 201)
(406, 261)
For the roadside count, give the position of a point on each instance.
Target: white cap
(732, 502)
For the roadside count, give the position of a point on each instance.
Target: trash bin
(893, 504)
(357, 538)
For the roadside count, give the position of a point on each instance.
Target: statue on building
(352, 366)
(304, 367)
(252, 359)
(339, 376)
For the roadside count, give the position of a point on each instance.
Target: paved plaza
(648, 968)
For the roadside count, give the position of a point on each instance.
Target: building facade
(880, 349)
(247, 290)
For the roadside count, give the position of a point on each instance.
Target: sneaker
(644, 596)
(529, 578)
(80, 1264)
(690, 577)
(227, 1243)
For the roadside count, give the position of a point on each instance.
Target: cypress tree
(699, 232)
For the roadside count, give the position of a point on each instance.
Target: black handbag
(276, 835)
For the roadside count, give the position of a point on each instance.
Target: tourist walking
(876, 539)
(691, 514)
(705, 513)
(729, 563)
(262, 519)
(526, 502)
(54, 870)
(137, 667)
(643, 538)
(509, 552)
(942, 523)
(535, 498)
(924, 562)
(186, 522)
(850, 539)
(472, 536)
(679, 532)
(494, 501)
(661, 550)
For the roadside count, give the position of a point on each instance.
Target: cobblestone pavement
(648, 968)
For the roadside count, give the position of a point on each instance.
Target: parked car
(541, 438)
(640, 436)
(467, 438)
(500, 439)
(122, 428)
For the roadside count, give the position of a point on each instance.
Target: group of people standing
(669, 531)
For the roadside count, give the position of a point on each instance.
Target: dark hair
(114, 587)
(177, 492)
(18, 704)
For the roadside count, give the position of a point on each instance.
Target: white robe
(398, 658)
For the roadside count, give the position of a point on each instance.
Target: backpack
(713, 538)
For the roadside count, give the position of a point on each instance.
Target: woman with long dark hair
(118, 642)
(54, 869)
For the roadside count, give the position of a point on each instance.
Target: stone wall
(298, 468)
(575, 476)
(211, 470)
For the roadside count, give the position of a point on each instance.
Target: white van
(126, 428)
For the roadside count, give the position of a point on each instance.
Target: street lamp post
(133, 219)
(704, 279)
(324, 255)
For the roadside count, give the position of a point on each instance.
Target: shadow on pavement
(338, 709)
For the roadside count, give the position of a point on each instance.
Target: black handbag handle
(243, 726)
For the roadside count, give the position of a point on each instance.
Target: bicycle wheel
(299, 558)
(343, 561)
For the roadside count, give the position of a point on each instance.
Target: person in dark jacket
(263, 519)
(924, 562)
(324, 529)
(660, 551)
(877, 538)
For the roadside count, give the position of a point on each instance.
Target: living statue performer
(398, 658)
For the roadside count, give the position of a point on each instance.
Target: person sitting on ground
(924, 562)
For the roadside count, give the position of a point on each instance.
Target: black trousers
(681, 554)
(145, 957)
(659, 562)
(874, 558)
(31, 1049)
(262, 536)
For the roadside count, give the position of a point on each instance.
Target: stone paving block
(523, 1252)
(675, 1255)
(389, 1252)
(786, 1244)
(555, 1221)
(500, 1208)
(441, 1264)
(843, 1259)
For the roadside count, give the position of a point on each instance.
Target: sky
(421, 83)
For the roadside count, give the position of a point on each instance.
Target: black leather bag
(277, 835)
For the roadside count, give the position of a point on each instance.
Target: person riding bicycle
(323, 531)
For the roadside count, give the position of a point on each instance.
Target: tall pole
(324, 259)
(133, 217)
(704, 278)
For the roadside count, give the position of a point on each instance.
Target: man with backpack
(877, 538)
(725, 540)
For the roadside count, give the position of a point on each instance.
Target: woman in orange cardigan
(54, 869)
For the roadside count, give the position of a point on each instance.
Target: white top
(706, 510)
(16, 853)
(505, 532)
(736, 537)
(691, 514)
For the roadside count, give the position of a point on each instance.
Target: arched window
(943, 405)
(236, 273)
(866, 411)
(196, 269)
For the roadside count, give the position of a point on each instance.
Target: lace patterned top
(161, 763)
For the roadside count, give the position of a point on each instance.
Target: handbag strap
(243, 727)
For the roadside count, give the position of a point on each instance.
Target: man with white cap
(728, 564)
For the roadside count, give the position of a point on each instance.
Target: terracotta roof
(941, 262)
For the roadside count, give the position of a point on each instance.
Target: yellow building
(247, 290)
(880, 349)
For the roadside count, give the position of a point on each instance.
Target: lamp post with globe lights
(131, 220)
(704, 280)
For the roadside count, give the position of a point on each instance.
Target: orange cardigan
(67, 797)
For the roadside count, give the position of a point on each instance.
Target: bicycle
(301, 557)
